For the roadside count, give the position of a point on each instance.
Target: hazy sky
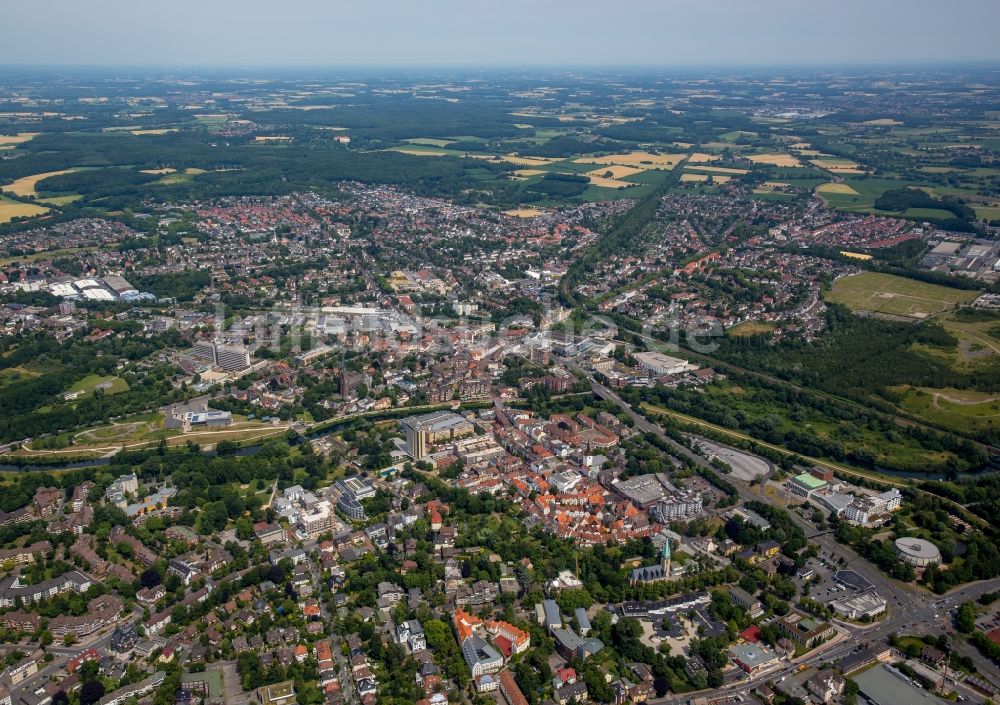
(496, 32)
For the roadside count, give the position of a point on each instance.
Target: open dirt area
(524, 212)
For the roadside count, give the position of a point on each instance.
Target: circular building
(917, 552)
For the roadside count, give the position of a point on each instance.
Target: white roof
(98, 295)
(63, 290)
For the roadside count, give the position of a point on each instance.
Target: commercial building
(866, 604)
(752, 658)
(872, 509)
(423, 432)
(917, 552)
(805, 484)
(644, 491)
(661, 364)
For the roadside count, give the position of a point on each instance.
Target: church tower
(665, 558)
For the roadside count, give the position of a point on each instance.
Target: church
(653, 573)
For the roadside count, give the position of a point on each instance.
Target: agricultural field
(838, 188)
(701, 178)
(837, 166)
(639, 159)
(784, 160)
(716, 170)
(25, 186)
(886, 294)
(19, 138)
(10, 209)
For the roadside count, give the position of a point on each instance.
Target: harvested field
(832, 187)
(12, 209)
(19, 138)
(25, 186)
(615, 171)
(637, 159)
(716, 169)
(775, 160)
(716, 178)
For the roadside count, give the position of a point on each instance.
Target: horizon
(450, 33)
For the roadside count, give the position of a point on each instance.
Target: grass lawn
(110, 385)
(874, 292)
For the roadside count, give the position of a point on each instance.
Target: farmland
(10, 209)
(636, 159)
(19, 138)
(25, 186)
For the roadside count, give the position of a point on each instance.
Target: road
(909, 608)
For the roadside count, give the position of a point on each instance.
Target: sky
(479, 33)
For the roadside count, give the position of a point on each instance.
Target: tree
(90, 692)
(149, 578)
(965, 620)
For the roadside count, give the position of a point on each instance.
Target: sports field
(874, 292)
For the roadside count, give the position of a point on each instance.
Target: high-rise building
(428, 429)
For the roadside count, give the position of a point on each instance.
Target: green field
(962, 410)
(874, 292)
(927, 213)
(111, 385)
(978, 348)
